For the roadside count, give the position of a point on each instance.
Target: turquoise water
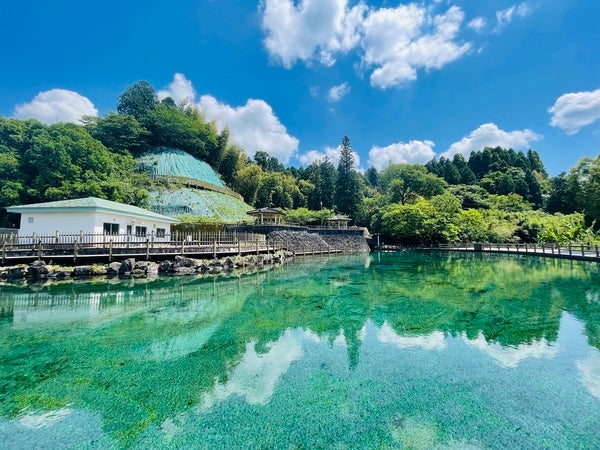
(406, 350)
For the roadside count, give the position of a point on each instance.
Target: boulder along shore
(40, 270)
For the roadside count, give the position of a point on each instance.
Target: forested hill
(496, 194)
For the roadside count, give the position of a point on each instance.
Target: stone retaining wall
(308, 242)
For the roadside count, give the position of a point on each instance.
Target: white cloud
(336, 93)
(413, 152)
(332, 153)
(489, 135)
(253, 126)
(399, 41)
(310, 29)
(575, 110)
(477, 24)
(505, 16)
(180, 90)
(56, 105)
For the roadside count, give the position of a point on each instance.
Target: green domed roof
(195, 202)
(171, 162)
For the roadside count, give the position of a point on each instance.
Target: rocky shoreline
(40, 270)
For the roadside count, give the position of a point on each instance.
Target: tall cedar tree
(347, 189)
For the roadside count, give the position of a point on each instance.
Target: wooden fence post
(257, 246)
(110, 250)
(4, 252)
(570, 249)
(582, 250)
(148, 248)
(215, 247)
(239, 248)
(75, 250)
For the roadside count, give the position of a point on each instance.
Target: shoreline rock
(130, 268)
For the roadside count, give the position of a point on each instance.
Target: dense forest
(496, 195)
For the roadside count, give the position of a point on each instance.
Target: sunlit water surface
(405, 350)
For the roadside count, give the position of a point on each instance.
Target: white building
(94, 217)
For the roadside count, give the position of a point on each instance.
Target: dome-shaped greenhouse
(191, 187)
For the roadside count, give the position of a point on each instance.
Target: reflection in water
(377, 351)
(512, 356)
(255, 376)
(589, 370)
(433, 341)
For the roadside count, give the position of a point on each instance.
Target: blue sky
(404, 81)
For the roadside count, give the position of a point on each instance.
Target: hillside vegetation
(496, 195)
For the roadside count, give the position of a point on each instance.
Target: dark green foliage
(560, 199)
(347, 188)
(268, 163)
(372, 177)
(322, 176)
(137, 100)
(118, 132)
(62, 161)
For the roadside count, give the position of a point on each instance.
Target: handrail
(574, 250)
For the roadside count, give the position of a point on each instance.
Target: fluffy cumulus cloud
(180, 90)
(253, 126)
(331, 153)
(489, 135)
(575, 110)
(413, 152)
(56, 105)
(394, 42)
(309, 29)
(336, 93)
(399, 41)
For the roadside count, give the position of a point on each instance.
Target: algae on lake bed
(380, 351)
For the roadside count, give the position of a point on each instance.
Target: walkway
(582, 252)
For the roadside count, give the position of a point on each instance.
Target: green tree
(348, 187)
(233, 160)
(118, 132)
(322, 175)
(137, 100)
(406, 182)
(584, 186)
(560, 199)
(267, 162)
(247, 182)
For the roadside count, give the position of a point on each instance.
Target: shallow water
(393, 350)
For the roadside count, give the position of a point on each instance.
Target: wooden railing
(565, 250)
(83, 245)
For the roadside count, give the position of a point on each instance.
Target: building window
(160, 232)
(140, 231)
(111, 229)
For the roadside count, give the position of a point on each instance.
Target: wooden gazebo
(267, 216)
(339, 222)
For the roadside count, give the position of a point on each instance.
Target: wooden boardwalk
(61, 253)
(582, 252)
